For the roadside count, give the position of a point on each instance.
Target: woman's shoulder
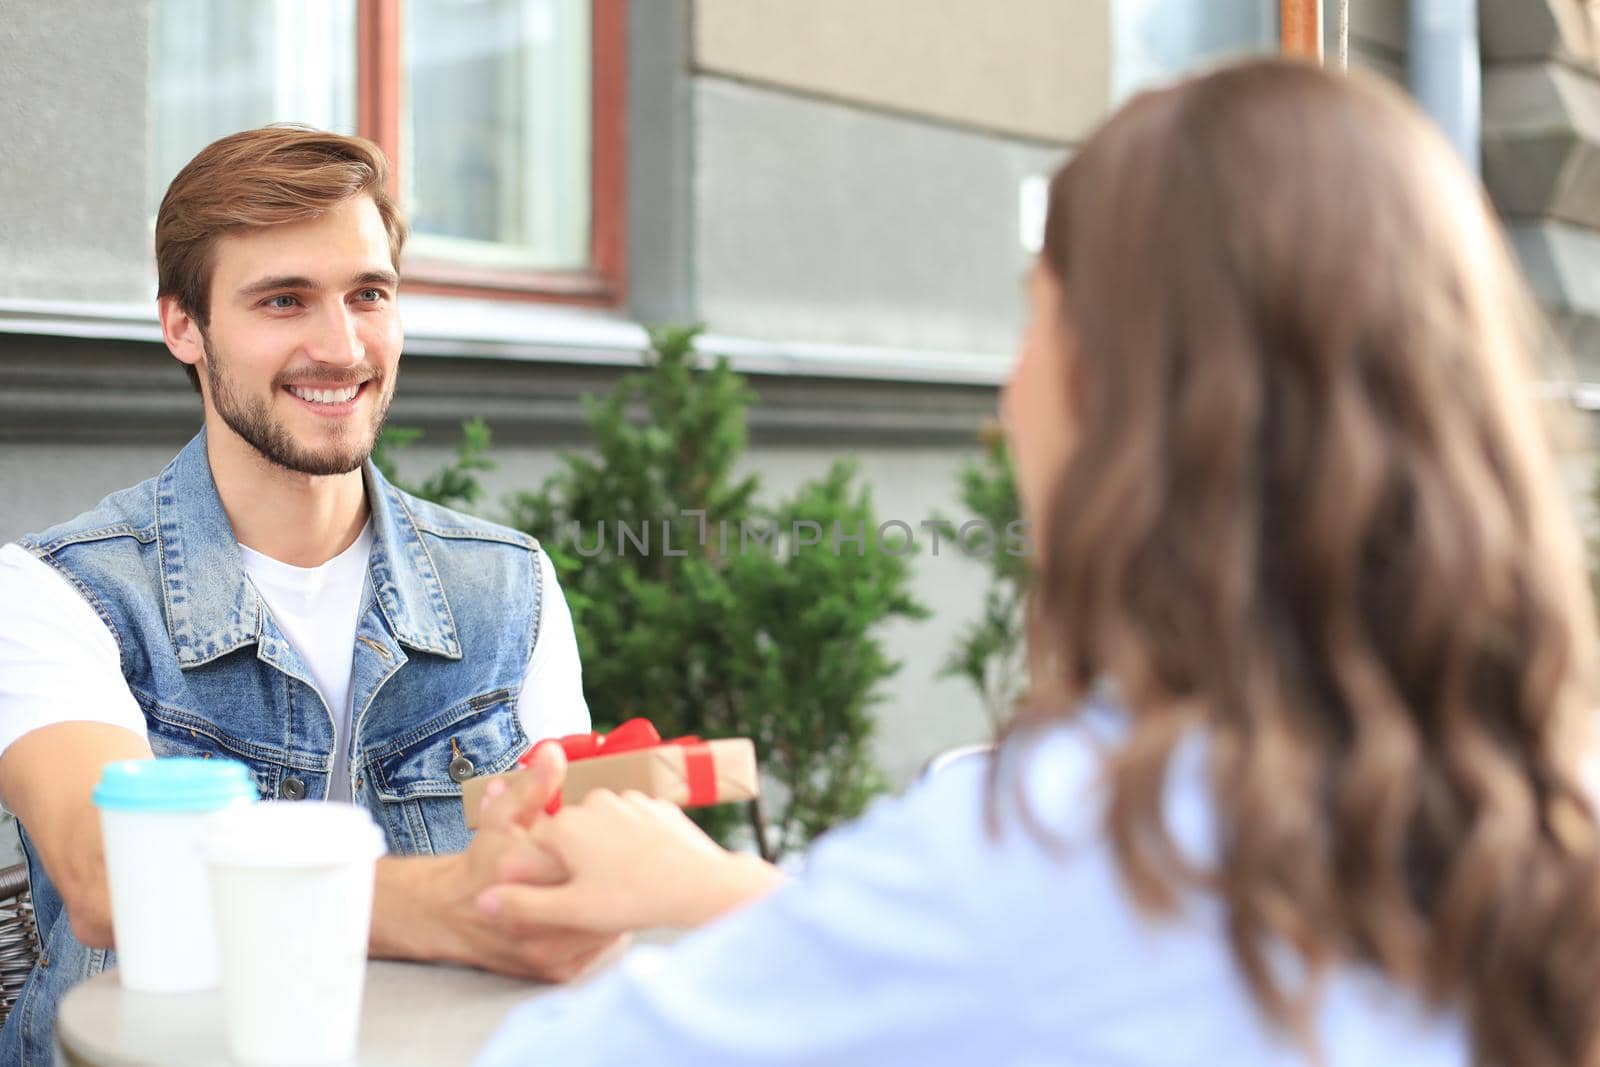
(1044, 789)
(1009, 861)
(1016, 830)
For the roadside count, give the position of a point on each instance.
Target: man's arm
(424, 906)
(65, 712)
(47, 779)
(552, 702)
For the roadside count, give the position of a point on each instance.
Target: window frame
(380, 70)
(1300, 28)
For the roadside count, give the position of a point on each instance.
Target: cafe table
(426, 1015)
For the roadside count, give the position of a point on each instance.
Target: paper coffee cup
(153, 816)
(293, 887)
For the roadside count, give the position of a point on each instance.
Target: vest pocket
(417, 776)
(203, 740)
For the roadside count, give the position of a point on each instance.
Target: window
(221, 67)
(497, 119)
(503, 119)
(1157, 40)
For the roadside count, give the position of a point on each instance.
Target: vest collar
(211, 608)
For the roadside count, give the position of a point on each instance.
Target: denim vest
(449, 618)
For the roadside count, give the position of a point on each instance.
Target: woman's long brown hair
(1312, 510)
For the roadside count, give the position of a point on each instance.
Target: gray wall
(820, 221)
(72, 115)
(1541, 155)
(1037, 69)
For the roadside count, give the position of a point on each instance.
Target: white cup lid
(293, 834)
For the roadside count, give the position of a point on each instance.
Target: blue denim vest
(450, 615)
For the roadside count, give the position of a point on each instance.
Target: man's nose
(338, 340)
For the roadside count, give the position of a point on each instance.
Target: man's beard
(251, 418)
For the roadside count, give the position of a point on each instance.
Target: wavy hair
(1312, 510)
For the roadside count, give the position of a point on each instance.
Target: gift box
(687, 771)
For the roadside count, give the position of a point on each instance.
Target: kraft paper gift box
(688, 773)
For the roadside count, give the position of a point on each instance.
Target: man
(269, 598)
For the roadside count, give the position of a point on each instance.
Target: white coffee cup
(153, 818)
(293, 889)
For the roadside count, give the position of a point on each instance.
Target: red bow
(635, 734)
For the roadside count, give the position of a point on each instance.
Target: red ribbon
(700, 772)
(700, 768)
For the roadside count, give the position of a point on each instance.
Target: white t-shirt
(59, 662)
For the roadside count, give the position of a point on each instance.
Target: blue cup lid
(175, 784)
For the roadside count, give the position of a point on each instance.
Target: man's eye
(371, 296)
(282, 303)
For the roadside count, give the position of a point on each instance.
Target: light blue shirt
(914, 937)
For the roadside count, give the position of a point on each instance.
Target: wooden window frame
(379, 70)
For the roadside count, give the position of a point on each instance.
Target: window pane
(220, 66)
(1157, 40)
(497, 130)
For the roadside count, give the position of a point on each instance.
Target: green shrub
(704, 611)
(989, 653)
(455, 485)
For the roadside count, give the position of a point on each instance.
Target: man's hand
(425, 908)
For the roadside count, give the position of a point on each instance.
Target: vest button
(460, 769)
(293, 789)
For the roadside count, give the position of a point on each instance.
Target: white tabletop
(412, 1015)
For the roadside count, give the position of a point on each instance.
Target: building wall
(858, 167)
(827, 222)
(1038, 70)
(1541, 155)
(72, 112)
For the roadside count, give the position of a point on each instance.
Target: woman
(1297, 780)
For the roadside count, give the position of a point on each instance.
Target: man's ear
(181, 332)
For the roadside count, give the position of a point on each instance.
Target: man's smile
(329, 399)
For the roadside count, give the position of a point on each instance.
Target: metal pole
(1446, 73)
(1300, 28)
(1344, 35)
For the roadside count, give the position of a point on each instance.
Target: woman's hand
(632, 862)
(425, 907)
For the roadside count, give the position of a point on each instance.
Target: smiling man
(270, 598)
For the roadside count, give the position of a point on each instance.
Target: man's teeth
(326, 396)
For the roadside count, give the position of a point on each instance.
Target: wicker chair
(19, 937)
